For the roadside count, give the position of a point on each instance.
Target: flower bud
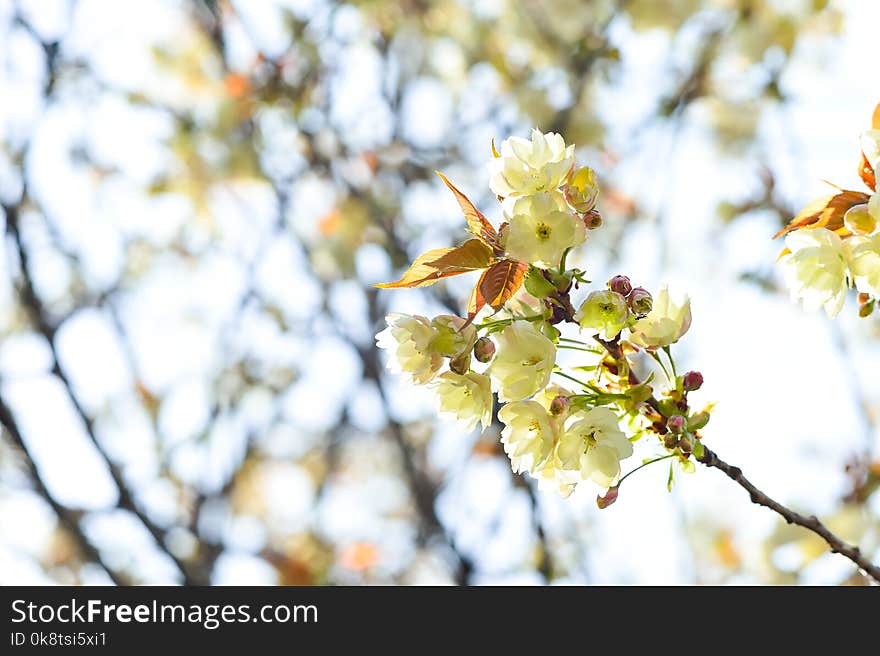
(686, 443)
(698, 421)
(451, 336)
(593, 220)
(621, 285)
(537, 284)
(640, 301)
(859, 221)
(604, 312)
(670, 441)
(461, 364)
(609, 498)
(484, 349)
(692, 381)
(676, 423)
(559, 405)
(582, 190)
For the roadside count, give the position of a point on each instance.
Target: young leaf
(441, 263)
(501, 281)
(537, 285)
(478, 225)
(825, 212)
(670, 480)
(867, 174)
(476, 302)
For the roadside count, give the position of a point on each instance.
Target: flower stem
(645, 464)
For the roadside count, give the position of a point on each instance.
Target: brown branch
(67, 518)
(811, 523)
(48, 329)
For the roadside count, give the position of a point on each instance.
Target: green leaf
(537, 285)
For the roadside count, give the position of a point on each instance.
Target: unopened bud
(484, 349)
(609, 498)
(698, 421)
(859, 221)
(593, 220)
(670, 441)
(453, 336)
(559, 405)
(676, 423)
(461, 365)
(686, 443)
(692, 381)
(640, 301)
(582, 190)
(621, 285)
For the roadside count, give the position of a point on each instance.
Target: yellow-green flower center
(542, 231)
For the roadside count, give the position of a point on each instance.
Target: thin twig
(811, 523)
(48, 329)
(69, 519)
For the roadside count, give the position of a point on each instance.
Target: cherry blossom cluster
(560, 379)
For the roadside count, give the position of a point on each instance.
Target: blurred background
(196, 197)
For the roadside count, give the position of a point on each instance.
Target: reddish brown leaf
(501, 281)
(441, 263)
(825, 212)
(476, 302)
(478, 225)
(866, 173)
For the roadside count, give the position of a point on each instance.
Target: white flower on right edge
(408, 341)
(523, 362)
(864, 256)
(665, 324)
(817, 269)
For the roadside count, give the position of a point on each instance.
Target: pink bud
(558, 405)
(692, 381)
(484, 349)
(676, 423)
(609, 498)
(640, 301)
(621, 285)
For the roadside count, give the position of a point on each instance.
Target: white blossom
(523, 361)
(816, 269)
(407, 339)
(667, 321)
(467, 398)
(593, 444)
(541, 228)
(527, 167)
(528, 436)
(864, 256)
